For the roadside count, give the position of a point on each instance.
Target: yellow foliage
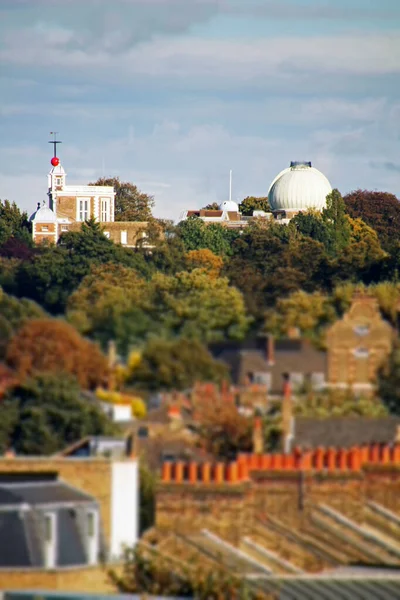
(138, 405)
(134, 359)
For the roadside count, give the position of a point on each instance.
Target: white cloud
(238, 61)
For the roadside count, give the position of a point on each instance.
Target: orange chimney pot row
(330, 459)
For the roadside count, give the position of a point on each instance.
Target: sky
(172, 94)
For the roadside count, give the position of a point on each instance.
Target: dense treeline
(201, 283)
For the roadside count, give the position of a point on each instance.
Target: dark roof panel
(344, 432)
(13, 543)
(41, 493)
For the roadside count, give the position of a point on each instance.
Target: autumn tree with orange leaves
(52, 346)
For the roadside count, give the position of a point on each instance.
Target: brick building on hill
(69, 206)
(356, 346)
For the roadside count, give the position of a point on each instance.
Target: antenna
(54, 142)
(230, 185)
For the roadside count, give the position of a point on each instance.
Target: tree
(13, 223)
(310, 313)
(338, 403)
(252, 203)
(212, 206)
(335, 218)
(146, 571)
(206, 260)
(195, 234)
(52, 346)
(13, 314)
(311, 224)
(379, 210)
(130, 203)
(102, 299)
(222, 430)
(197, 306)
(47, 412)
(389, 382)
(175, 365)
(55, 272)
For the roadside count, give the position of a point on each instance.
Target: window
(45, 228)
(58, 181)
(361, 352)
(107, 234)
(124, 237)
(361, 330)
(297, 379)
(143, 432)
(105, 210)
(263, 379)
(317, 380)
(64, 228)
(83, 209)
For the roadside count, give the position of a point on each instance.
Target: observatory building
(297, 188)
(69, 206)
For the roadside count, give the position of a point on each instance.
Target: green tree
(212, 206)
(145, 571)
(175, 365)
(337, 223)
(195, 305)
(13, 223)
(252, 203)
(109, 304)
(195, 234)
(56, 271)
(13, 314)
(51, 414)
(130, 203)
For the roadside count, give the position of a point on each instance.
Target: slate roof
(344, 432)
(39, 493)
(22, 510)
(251, 356)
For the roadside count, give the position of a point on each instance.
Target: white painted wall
(124, 506)
(122, 412)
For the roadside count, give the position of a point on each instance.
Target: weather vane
(55, 161)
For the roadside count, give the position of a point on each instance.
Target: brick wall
(66, 207)
(89, 579)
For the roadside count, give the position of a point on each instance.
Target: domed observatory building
(298, 188)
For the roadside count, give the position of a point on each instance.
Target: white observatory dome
(229, 205)
(299, 187)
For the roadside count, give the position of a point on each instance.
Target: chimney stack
(271, 349)
(287, 414)
(258, 438)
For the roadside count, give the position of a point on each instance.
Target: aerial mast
(55, 161)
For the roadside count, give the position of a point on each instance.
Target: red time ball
(55, 161)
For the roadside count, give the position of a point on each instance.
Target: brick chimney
(293, 333)
(287, 414)
(258, 437)
(270, 349)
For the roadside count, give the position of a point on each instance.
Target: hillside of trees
(60, 306)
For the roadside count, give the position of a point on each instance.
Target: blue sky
(171, 94)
